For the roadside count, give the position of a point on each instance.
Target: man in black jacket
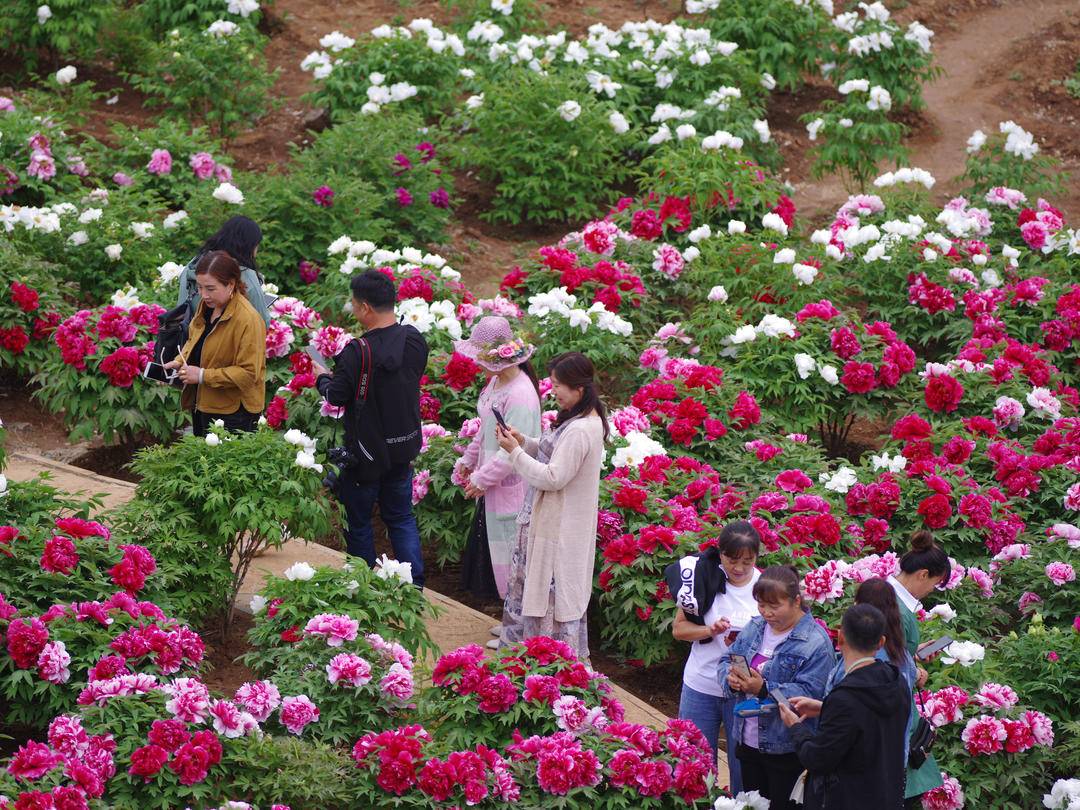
(377, 380)
(855, 759)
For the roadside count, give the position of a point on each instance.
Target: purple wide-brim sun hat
(493, 345)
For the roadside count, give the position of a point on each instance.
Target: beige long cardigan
(562, 534)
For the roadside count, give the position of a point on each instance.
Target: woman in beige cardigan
(552, 568)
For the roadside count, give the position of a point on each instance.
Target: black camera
(343, 460)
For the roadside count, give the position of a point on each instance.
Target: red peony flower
(785, 207)
(844, 343)
(191, 763)
(936, 511)
(679, 208)
(277, 412)
(14, 339)
(622, 550)
(461, 372)
(292, 635)
(147, 761)
(32, 761)
(122, 366)
(858, 378)
(646, 224)
(497, 694)
(513, 280)
(943, 393)
(24, 297)
(745, 412)
(631, 498)
(911, 427)
(793, 481)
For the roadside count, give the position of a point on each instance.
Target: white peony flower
(386, 568)
(804, 273)
(718, 294)
(306, 460)
(143, 230)
(964, 653)
(828, 373)
(699, 233)
(784, 256)
(639, 446)
(3, 485)
(685, 131)
(761, 127)
(336, 41)
(774, 222)
(113, 252)
(736, 226)
(169, 272)
(43, 14)
(943, 612)
(814, 127)
(66, 75)
(840, 481)
(257, 604)
(880, 99)
(79, 238)
(174, 220)
(299, 572)
(619, 123)
(805, 365)
(213, 440)
(229, 193)
(220, 29)
(976, 141)
(744, 334)
(569, 110)
(243, 7)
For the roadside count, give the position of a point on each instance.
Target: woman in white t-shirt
(714, 594)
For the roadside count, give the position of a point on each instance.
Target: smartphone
(499, 418)
(739, 665)
(933, 648)
(781, 698)
(313, 353)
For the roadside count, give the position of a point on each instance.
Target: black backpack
(172, 335)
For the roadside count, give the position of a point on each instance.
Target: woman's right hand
(806, 707)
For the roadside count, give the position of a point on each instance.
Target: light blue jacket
(800, 666)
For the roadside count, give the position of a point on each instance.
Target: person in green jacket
(240, 238)
(922, 569)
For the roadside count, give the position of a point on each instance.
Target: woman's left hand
(473, 491)
(754, 682)
(507, 441)
(189, 375)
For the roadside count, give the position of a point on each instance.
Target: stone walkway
(457, 626)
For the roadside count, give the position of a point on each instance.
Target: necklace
(862, 662)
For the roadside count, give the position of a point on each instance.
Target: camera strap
(363, 377)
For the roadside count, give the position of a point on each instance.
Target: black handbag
(172, 335)
(922, 740)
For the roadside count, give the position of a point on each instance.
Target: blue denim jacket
(800, 666)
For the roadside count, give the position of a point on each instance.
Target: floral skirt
(516, 627)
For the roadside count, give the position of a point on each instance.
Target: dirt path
(977, 91)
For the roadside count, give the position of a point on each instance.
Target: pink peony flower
(160, 162)
(202, 163)
(336, 628)
(279, 337)
(348, 667)
(793, 481)
(1042, 727)
(949, 796)
(1072, 498)
(329, 341)
(1060, 573)
(190, 700)
(67, 736)
(420, 483)
(297, 712)
(984, 735)
(668, 260)
(944, 706)
(397, 683)
(53, 663)
(260, 698)
(59, 556)
(825, 583)
(995, 696)
(32, 761)
(230, 721)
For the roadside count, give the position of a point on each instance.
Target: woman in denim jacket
(789, 651)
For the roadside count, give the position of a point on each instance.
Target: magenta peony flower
(190, 700)
(324, 196)
(397, 683)
(202, 163)
(404, 198)
(230, 721)
(32, 761)
(59, 556)
(984, 735)
(439, 198)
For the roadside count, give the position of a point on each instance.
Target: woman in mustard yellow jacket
(223, 363)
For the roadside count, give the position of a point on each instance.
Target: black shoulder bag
(922, 740)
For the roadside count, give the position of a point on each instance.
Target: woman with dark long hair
(484, 469)
(223, 363)
(240, 238)
(556, 545)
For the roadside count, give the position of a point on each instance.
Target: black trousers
(239, 422)
(772, 775)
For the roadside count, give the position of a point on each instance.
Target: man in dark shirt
(855, 759)
(377, 380)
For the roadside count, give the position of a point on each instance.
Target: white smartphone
(317, 358)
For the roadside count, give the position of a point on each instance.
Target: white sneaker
(493, 644)
(496, 630)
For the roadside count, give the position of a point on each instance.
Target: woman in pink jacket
(485, 470)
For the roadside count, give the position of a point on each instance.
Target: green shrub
(244, 491)
(542, 166)
(856, 139)
(222, 81)
(71, 29)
